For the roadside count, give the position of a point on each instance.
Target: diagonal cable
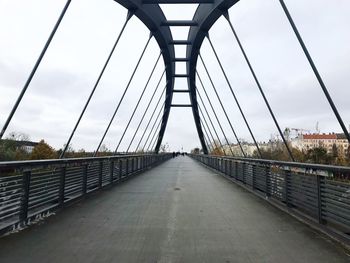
(259, 85)
(205, 121)
(216, 117)
(151, 118)
(211, 122)
(122, 98)
(129, 15)
(145, 112)
(36, 66)
(207, 138)
(234, 95)
(154, 124)
(154, 136)
(138, 102)
(315, 70)
(222, 106)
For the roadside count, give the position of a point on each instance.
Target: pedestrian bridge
(180, 211)
(204, 207)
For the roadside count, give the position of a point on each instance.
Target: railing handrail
(29, 189)
(65, 161)
(307, 166)
(319, 199)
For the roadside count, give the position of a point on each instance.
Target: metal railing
(30, 189)
(319, 193)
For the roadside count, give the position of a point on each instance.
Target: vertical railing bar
(85, 170)
(62, 186)
(111, 171)
(23, 216)
(120, 169)
(100, 173)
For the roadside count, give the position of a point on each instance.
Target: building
(27, 146)
(303, 142)
(330, 142)
(248, 148)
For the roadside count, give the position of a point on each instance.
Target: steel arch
(205, 16)
(153, 17)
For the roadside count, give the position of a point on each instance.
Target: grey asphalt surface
(177, 212)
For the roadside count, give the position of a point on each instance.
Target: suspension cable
(208, 145)
(234, 95)
(138, 102)
(205, 121)
(151, 118)
(155, 122)
(216, 117)
(207, 138)
(32, 73)
(211, 122)
(154, 136)
(222, 106)
(145, 112)
(129, 15)
(259, 87)
(122, 98)
(315, 70)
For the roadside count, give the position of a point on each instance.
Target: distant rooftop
(324, 136)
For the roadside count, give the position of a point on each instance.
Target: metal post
(132, 165)
(127, 167)
(315, 70)
(125, 90)
(253, 176)
(236, 170)
(129, 15)
(120, 169)
(23, 215)
(62, 186)
(243, 171)
(319, 200)
(100, 174)
(26, 85)
(111, 171)
(84, 187)
(226, 15)
(287, 175)
(138, 103)
(267, 181)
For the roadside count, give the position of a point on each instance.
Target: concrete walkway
(177, 212)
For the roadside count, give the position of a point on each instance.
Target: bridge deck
(177, 212)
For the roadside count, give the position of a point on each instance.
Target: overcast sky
(78, 51)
